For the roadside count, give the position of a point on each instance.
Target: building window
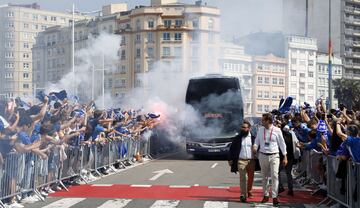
(310, 87)
(281, 81)
(53, 18)
(166, 51)
(44, 17)
(211, 24)
(302, 62)
(10, 14)
(293, 61)
(260, 80)
(138, 25)
(123, 55)
(35, 17)
(26, 45)
(293, 73)
(137, 38)
(267, 80)
(9, 65)
(266, 95)
(302, 85)
(123, 69)
(259, 94)
(150, 37)
(293, 85)
(178, 23)
(274, 81)
(311, 74)
(10, 25)
(311, 63)
(259, 108)
(122, 40)
(150, 52)
(9, 35)
(266, 108)
(177, 36)
(166, 36)
(137, 68)
(302, 74)
(26, 86)
(9, 55)
(167, 23)
(151, 23)
(274, 95)
(178, 51)
(26, 75)
(9, 75)
(195, 36)
(138, 52)
(9, 45)
(195, 23)
(26, 66)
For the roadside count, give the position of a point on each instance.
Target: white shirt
(245, 152)
(272, 141)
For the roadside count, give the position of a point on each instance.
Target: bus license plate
(214, 150)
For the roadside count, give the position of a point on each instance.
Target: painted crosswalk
(128, 203)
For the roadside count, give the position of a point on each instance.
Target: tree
(347, 91)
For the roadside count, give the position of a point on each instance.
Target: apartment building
(269, 78)
(322, 76)
(234, 62)
(168, 34)
(301, 68)
(52, 53)
(176, 36)
(20, 25)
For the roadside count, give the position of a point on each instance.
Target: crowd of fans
(46, 130)
(311, 135)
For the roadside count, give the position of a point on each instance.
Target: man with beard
(240, 158)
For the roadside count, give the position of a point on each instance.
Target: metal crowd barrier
(21, 174)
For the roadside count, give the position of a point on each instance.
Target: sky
(238, 17)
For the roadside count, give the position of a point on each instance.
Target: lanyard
(270, 134)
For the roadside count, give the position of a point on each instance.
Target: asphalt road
(187, 182)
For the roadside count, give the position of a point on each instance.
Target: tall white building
(300, 53)
(234, 62)
(20, 25)
(322, 76)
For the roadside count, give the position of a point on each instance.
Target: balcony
(356, 43)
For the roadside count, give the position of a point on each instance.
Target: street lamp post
(103, 81)
(330, 61)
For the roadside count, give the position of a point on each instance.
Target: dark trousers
(288, 169)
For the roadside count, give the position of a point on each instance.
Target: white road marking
(219, 187)
(215, 164)
(160, 173)
(115, 203)
(196, 185)
(179, 186)
(140, 185)
(215, 204)
(105, 185)
(165, 204)
(64, 203)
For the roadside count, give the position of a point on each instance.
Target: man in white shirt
(269, 140)
(240, 157)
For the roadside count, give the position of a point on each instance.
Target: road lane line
(115, 203)
(165, 204)
(64, 203)
(105, 185)
(140, 185)
(215, 164)
(196, 185)
(219, 187)
(179, 186)
(215, 204)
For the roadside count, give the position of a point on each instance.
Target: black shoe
(275, 202)
(281, 189)
(265, 199)
(243, 199)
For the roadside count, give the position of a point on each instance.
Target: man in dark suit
(241, 159)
